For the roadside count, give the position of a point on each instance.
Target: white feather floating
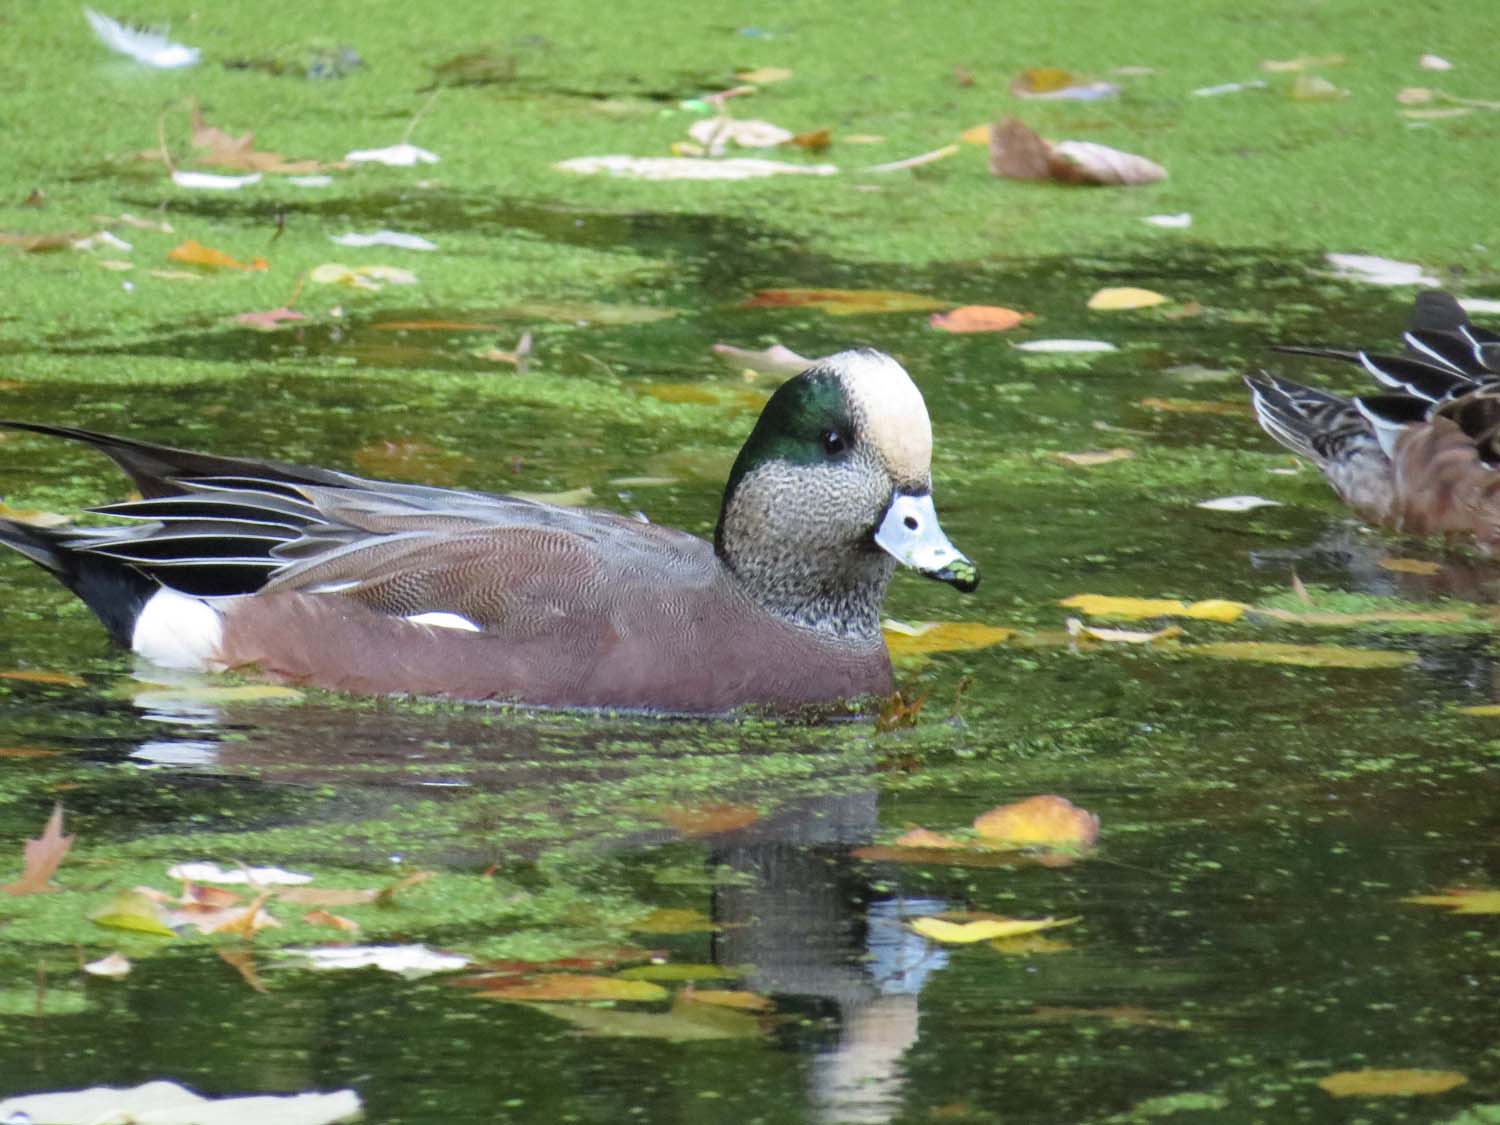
(149, 48)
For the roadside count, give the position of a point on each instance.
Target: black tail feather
(114, 590)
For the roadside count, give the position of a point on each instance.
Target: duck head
(831, 491)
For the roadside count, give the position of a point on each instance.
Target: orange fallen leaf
(42, 857)
(337, 921)
(243, 962)
(574, 988)
(1375, 1083)
(815, 140)
(709, 819)
(194, 253)
(1042, 821)
(979, 318)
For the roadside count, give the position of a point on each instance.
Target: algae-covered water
(1242, 925)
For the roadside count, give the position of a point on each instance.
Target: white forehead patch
(889, 410)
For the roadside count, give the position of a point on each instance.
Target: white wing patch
(178, 631)
(443, 620)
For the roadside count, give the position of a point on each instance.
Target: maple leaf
(225, 150)
(43, 855)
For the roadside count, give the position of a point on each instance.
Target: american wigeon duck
(315, 576)
(1421, 458)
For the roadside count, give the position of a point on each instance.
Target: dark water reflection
(1242, 932)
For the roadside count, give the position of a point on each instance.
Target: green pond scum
(1242, 927)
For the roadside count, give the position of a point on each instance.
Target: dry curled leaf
(1017, 152)
(42, 857)
(1091, 457)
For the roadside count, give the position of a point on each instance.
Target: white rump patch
(178, 631)
(891, 408)
(443, 620)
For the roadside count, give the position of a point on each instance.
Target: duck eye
(833, 442)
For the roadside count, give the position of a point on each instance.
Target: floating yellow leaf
(843, 302)
(1134, 609)
(134, 911)
(1372, 1083)
(1304, 656)
(1046, 820)
(1484, 710)
(978, 318)
(1091, 457)
(1462, 900)
(1410, 566)
(361, 277)
(675, 920)
(988, 929)
(729, 998)
(1114, 299)
(575, 988)
(917, 639)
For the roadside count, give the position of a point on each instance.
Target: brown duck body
(319, 577)
(678, 635)
(1420, 458)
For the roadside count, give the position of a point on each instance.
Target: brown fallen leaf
(1046, 820)
(979, 318)
(695, 821)
(815, 140)
(224, 150)
(60, 679)
(926, 838)
(242, 961)
(1374, 1083)
(42, 857)
(243, 922)
(37, 243)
